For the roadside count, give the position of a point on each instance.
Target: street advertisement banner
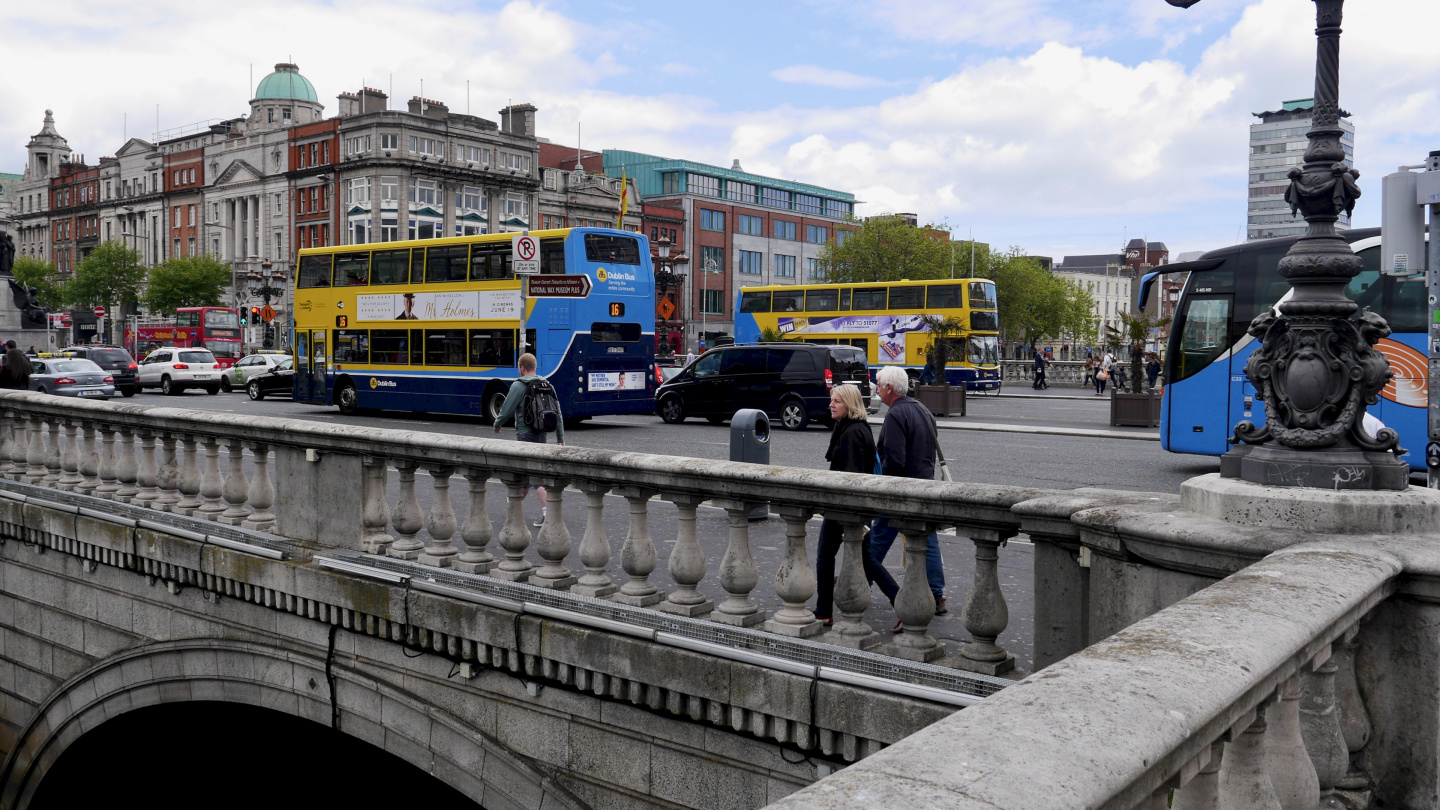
(616, 381)
(890, 329)
(463, 305)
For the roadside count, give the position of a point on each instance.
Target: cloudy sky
(1055, 125)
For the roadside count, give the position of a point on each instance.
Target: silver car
(71, 377)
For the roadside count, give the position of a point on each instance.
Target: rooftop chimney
(735, 167)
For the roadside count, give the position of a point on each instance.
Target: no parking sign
(526, 258)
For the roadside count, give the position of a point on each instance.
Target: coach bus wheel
(672, 410)
(347, 399)
(793, 415)
(494, 401)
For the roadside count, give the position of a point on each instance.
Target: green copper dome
(286, 83)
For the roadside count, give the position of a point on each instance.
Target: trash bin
(750, 442)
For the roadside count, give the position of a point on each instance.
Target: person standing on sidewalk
(1040, 364)
(1089, 371)
(520, 390)
(852, 449)
(906, 449)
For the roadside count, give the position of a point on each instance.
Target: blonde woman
(852, 449)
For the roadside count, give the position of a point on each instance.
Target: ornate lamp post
(665, 279)
(270, 284)
(1317, 367)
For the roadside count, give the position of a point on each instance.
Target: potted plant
(941, 398)
(1139, 406)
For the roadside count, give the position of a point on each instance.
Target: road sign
(665, 309)
(268, 313)
(526, 258)
(99, 312)
(577, 286)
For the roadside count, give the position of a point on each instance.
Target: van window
(791, 361)
(848, 363)
(742, 361)
(708, 366)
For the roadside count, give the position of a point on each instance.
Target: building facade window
(712, 302)
(389, 189)
(359, 190)
(838, 209)
(784, 266)
(815, 234)
(703, 185)
(752, 262)
(775, 198)
(389, 141)
(712, 259)
(807, 204)
(741, 192)
(784, 230)
(550, 180)
(517, 205)
(712, 220)
(813, 273)
(424, 191)
(360, 145)
(750, 225)
(469, 199)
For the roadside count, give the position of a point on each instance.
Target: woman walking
(852, 449)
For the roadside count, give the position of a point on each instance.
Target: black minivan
(789, 381)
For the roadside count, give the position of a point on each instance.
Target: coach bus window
(552, 256)
(1206, 334)
(789, 300)
(492, 347)
(314, 271)
(982, 295)
(352, 269)
(869, 298)
(821, 300)
(390, 267)
(614, 332)
(446, 264)
(600, 247)
(907, 298)
(754, 302)
(352, 346)
(845, 300)
(390, 346)
(490, 261)
(984, 322)
(445, 347)
(944, 296)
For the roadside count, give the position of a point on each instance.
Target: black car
(115, 360)
(278, 379)
(789, 381)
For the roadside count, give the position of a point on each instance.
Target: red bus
(213, 328)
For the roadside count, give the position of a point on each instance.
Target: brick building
(314, 184)
(74, 219)
(184, 181)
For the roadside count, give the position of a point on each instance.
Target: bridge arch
(284, 680)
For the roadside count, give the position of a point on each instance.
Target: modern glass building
(1277, 144)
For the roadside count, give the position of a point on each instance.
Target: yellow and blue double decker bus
(883, 319)
(436, 325)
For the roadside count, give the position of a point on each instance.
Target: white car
(173, 370)
(246, 367)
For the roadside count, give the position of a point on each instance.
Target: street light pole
(261, 285)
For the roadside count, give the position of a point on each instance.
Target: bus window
(445, 347)
(789, 300)
(221, 319)
(390, 346)
(352, 346)
(417, 266)
(907, 297)
(982, 295)
(390, 267)
(984, 322)
(191, 318)
(845, 300)
(754, 302)
(490, 261)
(872, 298)
(943, 296)
(602, 247)
(446, 264)
(614, 332)
(417, 346)
(822, 300)
(314, 271)
(492, 347)
(1205, 335)
(352, 269)
(552, 256)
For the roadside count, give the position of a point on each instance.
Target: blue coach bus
(1206, 390)
(436, 325)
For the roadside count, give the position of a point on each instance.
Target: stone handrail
(1059, 371)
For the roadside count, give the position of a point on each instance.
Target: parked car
(789, 381)
(173, 370)
(278, 379)
(246, 367)
(71, 377)
(115, 360)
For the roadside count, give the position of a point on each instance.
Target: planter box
(942, 400)
(1135, 410)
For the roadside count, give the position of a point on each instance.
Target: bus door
(318, 367)
(300, 381)
(1203, 380)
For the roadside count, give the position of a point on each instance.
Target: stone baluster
(440, 523)
(167, 480)
(985, 614)
(514, 535)
(476, 530)
(212, 486)
(19, 445)
(147, 472)
(914, 603)
(89, 460)
(1354, 720)
(795, 580)
(687, 563)
(70, 457)
(1320, 725)
(189, 481)
(237, 489)
(637, 555)
(1203, 791)
(127, 467)
(595, 545)
(35, 452)
(852, 590)
(553, 541)
(262, 490)
(375, 513)
(406, 518)
(108, 483)
(1159, 800)
(738, 574)
(53, 453)
(8, 419)
(1292, 774)
(1244, 782)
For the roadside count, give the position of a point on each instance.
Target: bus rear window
(907, 298)
(601, 332)
(314, 271)
(754, 302)
(602, 247)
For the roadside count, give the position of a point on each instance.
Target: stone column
(738, 574)
(687, 563)
(1292, 775)
(637, 555)
(53, 453)
(89, 460)
(145, 477)
(189, 483)
(553, 542)
(985, 613)
(406, 517)
(108, 484)
(795, 581)
(127, 467)
(211, 484)
(852, 590)
(1320, 725)
(236, 488)
(19, 444)
(35, 452)
(914, 603)
(514, 535)
(595, 545)
(1354, 720)
(376, 512)
(440, 523)
(1202, 792)
(262, 490)
(476, 558)
(168, 477)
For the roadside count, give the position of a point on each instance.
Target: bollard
(750, 442)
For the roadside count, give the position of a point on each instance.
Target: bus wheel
(494, 401)
(347, 398)
(672, 410)
(793, 415)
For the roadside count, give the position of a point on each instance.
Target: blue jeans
(882, 536)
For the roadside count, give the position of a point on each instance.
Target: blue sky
(1058, 126)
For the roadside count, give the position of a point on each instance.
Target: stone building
(1112, 278)
(46, 152)
(576, 193)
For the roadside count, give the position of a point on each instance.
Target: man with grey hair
(906, 449)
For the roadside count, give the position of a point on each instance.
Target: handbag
(1102, 375)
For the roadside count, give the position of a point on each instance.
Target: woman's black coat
(852, 447)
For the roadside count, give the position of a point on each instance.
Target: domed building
(283, 99)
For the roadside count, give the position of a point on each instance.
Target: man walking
(524, 431)
(906, 449)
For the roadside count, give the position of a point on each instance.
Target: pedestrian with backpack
(533, 404)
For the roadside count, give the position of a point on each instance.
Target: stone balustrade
(1059, 371)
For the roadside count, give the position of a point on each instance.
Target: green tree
(187, 281)
(885, 249)
(41, 277)
(1134, 330)
(111, 276)
(1036, 304)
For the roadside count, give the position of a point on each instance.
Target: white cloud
(825, 77)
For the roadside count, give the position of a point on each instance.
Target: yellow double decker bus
(884, 319)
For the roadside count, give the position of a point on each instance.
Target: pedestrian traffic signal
(243, 315)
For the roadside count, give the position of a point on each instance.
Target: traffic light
(243, 315)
